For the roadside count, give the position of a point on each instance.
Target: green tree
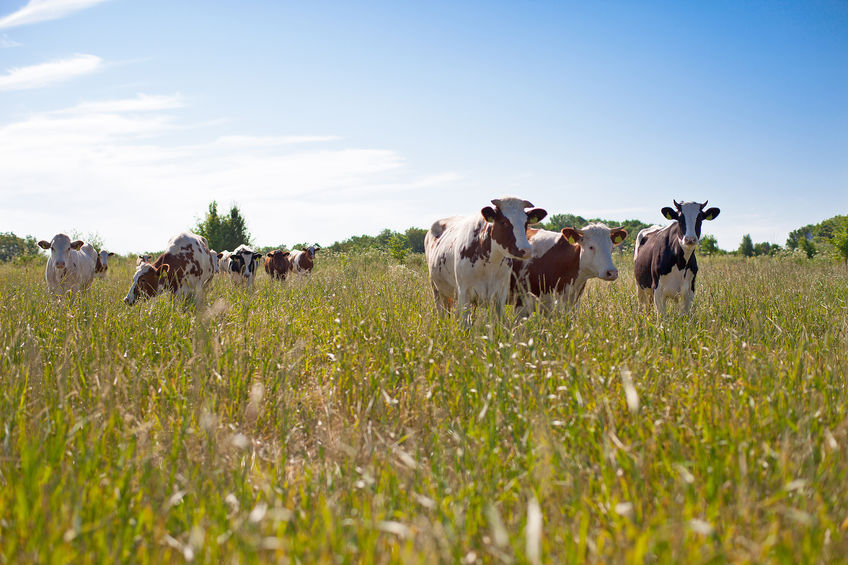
(223, 232)
(709, 245)
(808, 247)
(12, 246)
(415, 239)
(398, 246)
(840, 243)
(746, 248)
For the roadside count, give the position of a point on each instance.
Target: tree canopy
(223, 232)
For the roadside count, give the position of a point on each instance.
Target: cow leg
(659, 301)
(463, 307)
(443, 303)
(688, 297)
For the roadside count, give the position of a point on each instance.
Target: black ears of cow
(711, 213)
(220, 255)
(572, 235)
(44, 244)
(110, 254)
(669, 213)
(489, 214)
(536, 215)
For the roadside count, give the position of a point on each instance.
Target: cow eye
(591, 248)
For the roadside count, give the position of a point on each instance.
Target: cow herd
(495, 257)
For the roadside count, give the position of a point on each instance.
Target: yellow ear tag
(617, 240)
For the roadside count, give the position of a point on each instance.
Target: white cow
(243, 263)
(102, 264)
(71, 264)
(183, 269)
(468, 257)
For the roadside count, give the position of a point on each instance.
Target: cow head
(689, 216)
(509, 225)
(146, 282)
(279, 259)
(596, 243)
(243, 261)
(103, 260)
(60, 248)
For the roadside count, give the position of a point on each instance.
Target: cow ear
(270, 253)
(75, 245)
(163, 269)
(711, 213)
(286, 254)
(669, 213)
(572, 235)
(110, 254)
(257, 255)
(44, 244)
(220, 255)
(536, 215)
(617, 235)
(489, 214)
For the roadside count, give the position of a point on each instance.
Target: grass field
(340, 419)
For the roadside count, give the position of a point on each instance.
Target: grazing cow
(665, 265)
(71, 264)
(303, 260)
(562, 263)
(277, 264)
(102, 264)
(144, 258)
(468, 257)
(183, 269)
(243, 265)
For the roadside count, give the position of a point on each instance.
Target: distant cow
(102, 264)
(224, 262)
(303, 260)
(144, 258)
(277, 263)
(665, 265)
(183, 269)
(70, 266)
(468, 257)
(243, 263)
(563, 262)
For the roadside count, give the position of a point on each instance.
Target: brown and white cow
(277, 264)
(102, 264)
(183, 269)
(468, 257)
(303, 260)
(562, 263)
(71, 265)
(665, 265)
(143, 258)
(243, 263)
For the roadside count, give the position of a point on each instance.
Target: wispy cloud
(43, 10)
(133, 171)
(6, 43)
(44, 74)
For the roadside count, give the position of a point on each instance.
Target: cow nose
(689, 240)
(60, 265)
(611, 274)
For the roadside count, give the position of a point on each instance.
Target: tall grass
(340, 418)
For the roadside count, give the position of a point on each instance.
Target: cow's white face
(60, 249)
(243, 261)
(104, 258)
(509, 225)
(145, 283)
(689, 216)
(596, 244)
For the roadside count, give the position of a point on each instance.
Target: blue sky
(329, 119)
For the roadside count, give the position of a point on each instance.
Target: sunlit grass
(340, 418)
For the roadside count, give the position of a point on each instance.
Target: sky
(323, 120)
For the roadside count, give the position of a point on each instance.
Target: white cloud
(43, 10)
(6, 43)
(123, 168)
(43, 74)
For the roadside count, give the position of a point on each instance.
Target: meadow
(341, 419)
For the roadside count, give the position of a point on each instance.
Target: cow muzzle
(690, 241)
(60, 265)
(610, 275)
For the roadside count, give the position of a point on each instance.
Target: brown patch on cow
(178, 266)
(554, 270)
(277, 264)
(99, 268)
(480, 246)
(305, 262)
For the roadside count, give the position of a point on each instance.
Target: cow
(243, 262)
(562, 263)
(664, 257)
(224, 262)
(102, 264)
(277, 264)
(143, 258)
(303, 260)
(468, 257)
(183, 269)
(70, 267)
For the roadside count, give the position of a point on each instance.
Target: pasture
(340, 419)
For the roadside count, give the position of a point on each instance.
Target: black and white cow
(243, 263)
(665, 265)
